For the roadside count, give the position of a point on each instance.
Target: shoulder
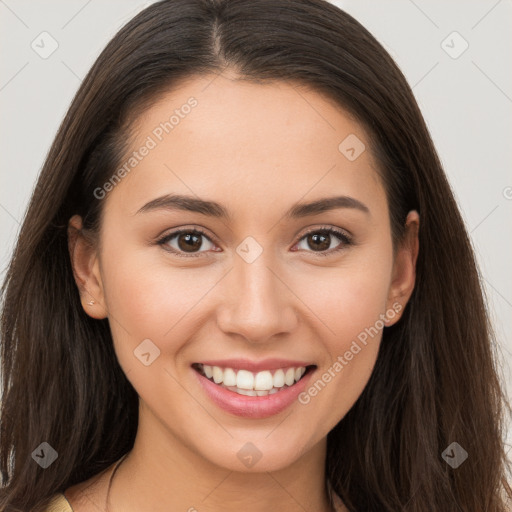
(59, 503)
(336, 501)
(87, 496)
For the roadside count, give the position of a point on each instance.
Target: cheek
(348, 308)
(148, 297)
(349, 298)
(348, 304)
(138, 295)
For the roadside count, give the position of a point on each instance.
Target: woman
(243, 282)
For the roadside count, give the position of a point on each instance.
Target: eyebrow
(214, 209)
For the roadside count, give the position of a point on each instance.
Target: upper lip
(256, 366)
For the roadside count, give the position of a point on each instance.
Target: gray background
(466, 101)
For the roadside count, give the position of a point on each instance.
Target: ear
(86, 269)
(404, 268)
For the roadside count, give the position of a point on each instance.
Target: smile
(253, 395)
(244, 382)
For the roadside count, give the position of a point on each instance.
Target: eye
(187, 241)
(320, 239)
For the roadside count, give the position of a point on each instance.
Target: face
(257, 276)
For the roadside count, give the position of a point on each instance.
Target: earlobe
(85, 265)
(404, 268)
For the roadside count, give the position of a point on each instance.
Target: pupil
(189, 238)
(325, 244)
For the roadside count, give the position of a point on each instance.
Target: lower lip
(253, 407)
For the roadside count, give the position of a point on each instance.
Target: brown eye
(320, 240)
(185, 242)
(189, 241)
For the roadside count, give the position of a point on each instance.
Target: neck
(160, 473)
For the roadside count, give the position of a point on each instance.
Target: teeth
(289, 377)
(247, 392)
(217, 375)
(229, 378)
(263, 381)
(244, 379)
(260, 383)
(278, 379)
(252, 392)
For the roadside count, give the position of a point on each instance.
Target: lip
(254, 407)
(255, 366)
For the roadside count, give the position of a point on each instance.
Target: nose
(257, 303)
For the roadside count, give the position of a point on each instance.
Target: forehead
(254, 146)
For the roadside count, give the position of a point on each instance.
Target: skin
(256, 149)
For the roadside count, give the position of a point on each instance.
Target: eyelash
(346, 239)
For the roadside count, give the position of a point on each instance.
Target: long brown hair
(436, 379)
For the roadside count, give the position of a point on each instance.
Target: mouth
(254, 384)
